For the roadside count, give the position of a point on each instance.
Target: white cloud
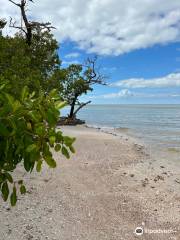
(111, 27)
(125, 93)
(66, 63)
(171, 80)
(121, 94)
(72, 55)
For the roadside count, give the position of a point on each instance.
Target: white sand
(107, 189)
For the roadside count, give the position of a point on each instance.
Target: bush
(28, 135)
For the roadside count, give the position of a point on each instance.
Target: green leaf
(2, 86)
(52, 140)
(13, 197)
(27, 165)
(51, 118)
(40, 129)
(50, 161)
(22, 189)
(24, 93)
(39, 166)
(9, 177)
(60, 104)
(20, 182)
(65, 152)
(68, 141)
(72, 149)
(53, 93)
(59, 136)
(29, 126)
(10, 99)
(31, 148)
(2, 177)
(46, 150)
(5, 191)
(16, 105)
(57, 147)
(3, 130)
(34, 116)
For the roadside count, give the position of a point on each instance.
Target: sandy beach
(111, 186)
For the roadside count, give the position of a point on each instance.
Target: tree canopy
(77, 80)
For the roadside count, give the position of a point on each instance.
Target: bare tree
(29, 26)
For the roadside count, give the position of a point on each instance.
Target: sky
(137, 43)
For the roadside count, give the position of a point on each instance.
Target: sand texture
(108, 188)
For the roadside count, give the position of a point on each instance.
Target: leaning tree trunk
(81, 106)
(71, 114)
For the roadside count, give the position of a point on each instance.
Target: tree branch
(81, 106)
(94, 76)
(13, 25)
(17, 4)
(29, 26)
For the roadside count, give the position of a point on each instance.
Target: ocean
(156, 125)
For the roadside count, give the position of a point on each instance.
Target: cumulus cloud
(72, 55)
(124, 93)
(171, 80)
(108, 27)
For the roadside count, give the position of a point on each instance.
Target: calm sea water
(154, 124)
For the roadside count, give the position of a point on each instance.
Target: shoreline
(156, 152)
(106, 190)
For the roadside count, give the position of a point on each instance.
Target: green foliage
(74, 83)
(28, 135)
(2, 23)
(35, 66)
(76, 80)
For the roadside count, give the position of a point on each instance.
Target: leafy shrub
(28, 135)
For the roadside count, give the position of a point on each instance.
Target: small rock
(50, 210)
(9, 231)
(7, 208)
(46, 180)
(177, 180)
(131, 175)
(29, 236)
(28, 227)
(158, 177)
(145, 182)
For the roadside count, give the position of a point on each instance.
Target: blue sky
(137, 41)
(150, 63)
